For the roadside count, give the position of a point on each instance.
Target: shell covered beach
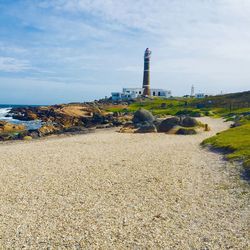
(108, 190)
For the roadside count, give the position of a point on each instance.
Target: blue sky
(77, 50)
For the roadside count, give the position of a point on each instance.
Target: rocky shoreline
(78, 118)
(59, 119)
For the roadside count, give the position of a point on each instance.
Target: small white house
(116, 96)
(131, 93)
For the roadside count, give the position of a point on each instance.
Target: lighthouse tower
(146, 73)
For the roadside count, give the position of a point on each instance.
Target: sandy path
(121, 191)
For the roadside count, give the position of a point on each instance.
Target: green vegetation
(216, 106)
(157, 106)
(235, 141)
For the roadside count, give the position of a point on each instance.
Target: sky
(59, 51)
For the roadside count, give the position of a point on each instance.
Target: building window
(139, 92)
(153, 93)
(159, 93)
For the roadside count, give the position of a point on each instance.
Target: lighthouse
(146, 73)
(145, 90)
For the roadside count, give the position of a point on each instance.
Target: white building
(199, 95)
(131, 93)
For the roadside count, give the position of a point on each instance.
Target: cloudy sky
(55, 51)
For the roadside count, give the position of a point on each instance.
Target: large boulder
(143, 116)
(189, 122)
(168, 124)
(147, 128)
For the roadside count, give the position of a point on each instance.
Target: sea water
(5, 109)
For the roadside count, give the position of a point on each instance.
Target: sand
(109, 190)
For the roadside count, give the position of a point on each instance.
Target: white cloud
(102, 42)
(9, 64)
(11, 49)
(129, 68)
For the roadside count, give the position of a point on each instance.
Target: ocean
(5, 108)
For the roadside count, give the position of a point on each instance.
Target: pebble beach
(108, 190)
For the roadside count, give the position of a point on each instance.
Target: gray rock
(149, 128)
(142, 116)
(189, 122)
(185, 131)
(168, 124)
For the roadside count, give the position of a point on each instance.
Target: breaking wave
(29, 124)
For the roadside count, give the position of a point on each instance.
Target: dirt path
(121, 191)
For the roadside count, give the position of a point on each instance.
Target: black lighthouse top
(147, 53)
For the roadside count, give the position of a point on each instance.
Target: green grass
(157, 106)
(216, 106)
(236, 141)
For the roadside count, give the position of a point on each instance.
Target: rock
(102, 126)
(236, 124)
(76, 129)
(168, 124)
(148, 128)
(47, 129)
(24, 114)
(143, 116)
(128, 128)
(143, 121)
(7, 127)
(27, 138)
(9, 136)
(186, 131)
(33, 133)
(98, 118)
(22, 134)
(188, 122)
(5, 137)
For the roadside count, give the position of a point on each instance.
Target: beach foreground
(109, 190)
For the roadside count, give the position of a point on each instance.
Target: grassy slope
(214, 105)
(236, 141)
(156, 106)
